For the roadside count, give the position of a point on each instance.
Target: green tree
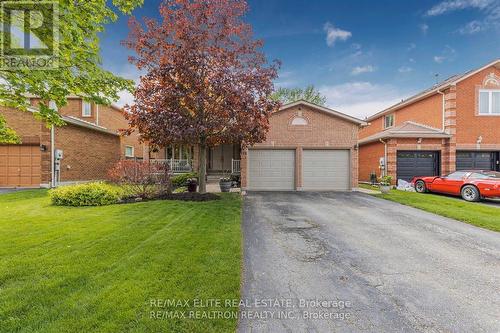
(289, 95)
(79, 71)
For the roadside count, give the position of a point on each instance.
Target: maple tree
(207, 81)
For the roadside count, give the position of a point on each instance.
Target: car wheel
(420, 186)
(470, 193)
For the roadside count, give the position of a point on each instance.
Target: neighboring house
(454, 125)
(90, 144)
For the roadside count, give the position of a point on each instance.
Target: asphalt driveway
(349, 262)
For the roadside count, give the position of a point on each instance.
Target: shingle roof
(408, 129)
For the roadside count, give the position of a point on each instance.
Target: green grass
(96, 269)
(473, 213)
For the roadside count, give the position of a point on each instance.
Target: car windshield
(485, 174)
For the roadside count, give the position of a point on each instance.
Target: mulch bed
(183, 196)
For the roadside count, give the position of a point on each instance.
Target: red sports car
(471, 185)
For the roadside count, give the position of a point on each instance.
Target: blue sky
(363, 55)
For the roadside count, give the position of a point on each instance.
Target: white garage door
(326, 170)
(271, 170)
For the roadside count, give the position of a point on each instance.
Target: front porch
(221, 160)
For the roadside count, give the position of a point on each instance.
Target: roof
(452, 80)
(408, 129)
(325, 110)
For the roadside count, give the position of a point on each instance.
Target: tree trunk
(203, 167)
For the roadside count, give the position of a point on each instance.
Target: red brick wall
(369, 159)
(88, 154)
(323, 131)
(428, 111)
(470, 126)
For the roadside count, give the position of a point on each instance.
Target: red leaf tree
(207, 81)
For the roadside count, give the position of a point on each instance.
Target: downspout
(97, 114)
(52, 157)
(385, 157)
(442, 111)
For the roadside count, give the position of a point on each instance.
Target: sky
(362, 55)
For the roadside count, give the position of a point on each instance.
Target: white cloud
(471, 28)
(405, 69)
(453, 5)
(125, 98)
(333, 34)
(411, 60)
(439, 59)
(360, 99)
(130, 72)
(412, 46)
(424, 28)
(363, 69)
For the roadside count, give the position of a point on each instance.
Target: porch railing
(177, 166)
(235, 166)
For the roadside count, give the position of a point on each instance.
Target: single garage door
(271, 170)
(476, 160)
(417, 163)
(19, 166)
(324, 170)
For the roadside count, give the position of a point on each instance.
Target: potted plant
(385, 184)
(225, 184)
(192, 184)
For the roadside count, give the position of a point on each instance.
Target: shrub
(89, 194)
(141, 178)
(386, 180)
(182, 179)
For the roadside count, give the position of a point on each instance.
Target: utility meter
(59, 154)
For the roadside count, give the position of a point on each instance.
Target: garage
(271, 169)
(19, 166)
(326, 170)
(417, 163)
(476, 160)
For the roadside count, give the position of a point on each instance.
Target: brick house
(89, 141)
(308, 147)
(451, 126)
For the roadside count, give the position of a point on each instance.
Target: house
(308, 147)
(88, 145)
(453, 125)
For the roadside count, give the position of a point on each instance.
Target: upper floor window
(489, 102)
(299, 121)
(389, 120)
(86, 109)
(129, 151)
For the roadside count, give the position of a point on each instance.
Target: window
(388, 121)
(299, 121)
(456, 175)
(53, 105)
(489, 102)
(129, 151)
(86, 109)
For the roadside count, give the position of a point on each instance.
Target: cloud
(333, 34)
(360, 99)
(363, 69)
(424, 28)
(471, 28)
(453, 5)
(439, 59)
(130, 72)
(412, 46)
(405, 69)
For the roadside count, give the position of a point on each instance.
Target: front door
(220, 158)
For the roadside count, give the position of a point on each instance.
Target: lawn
(100, 269)
(473, 213)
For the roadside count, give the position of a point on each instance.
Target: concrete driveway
(349, 262)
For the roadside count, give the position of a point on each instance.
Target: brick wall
(369, 160)
(88, 154)
(323, 131)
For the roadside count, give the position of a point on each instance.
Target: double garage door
(322, 170)
(19, 166)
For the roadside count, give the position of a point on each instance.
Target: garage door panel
(326, 170)
(475, 160)
(415, 163)
(271, 169)
(20, 166)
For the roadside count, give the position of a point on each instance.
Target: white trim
(490, 102)
(133, 152)
(385, 117)
(84, 103)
